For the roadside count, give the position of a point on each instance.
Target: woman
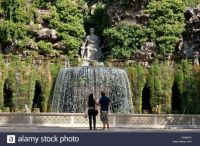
(91, 111)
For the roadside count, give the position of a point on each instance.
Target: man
(104, 103)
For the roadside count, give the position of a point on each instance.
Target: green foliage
(122, 2)
(182, 73)
(6, 109)
(137, 76)
(45, 48)
(192, 3)
(99, 20)
(67, 19)
(160, 81)
(188, 81)
(125, 39)
(55, 69)
(194, 93)
(17, 10)
(10, 31)
(167, 80)
(65, 16)
(166, 24)
(45, 80)
(2, 79)
(155, 85)
(22, 77)
(42, 3)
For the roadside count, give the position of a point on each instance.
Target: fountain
(73, 85)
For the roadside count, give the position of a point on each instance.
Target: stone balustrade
(116, 120)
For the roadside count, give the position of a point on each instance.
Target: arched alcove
(8, 94)
(146, 106)
(37, 100)
(176, 102)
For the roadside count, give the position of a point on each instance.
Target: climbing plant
(55, 69)
(137, 76)
(187, 79)
(43, 77)
(22, 76)
(160, 81)
(2, 79)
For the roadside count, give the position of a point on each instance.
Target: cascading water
(73, 85)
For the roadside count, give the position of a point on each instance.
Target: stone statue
(90, 49)
(27, 109)
(196, 58)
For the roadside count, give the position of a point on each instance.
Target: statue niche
(90, 49)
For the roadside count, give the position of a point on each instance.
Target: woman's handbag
(96, 112)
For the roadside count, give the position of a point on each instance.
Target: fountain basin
(73, 85)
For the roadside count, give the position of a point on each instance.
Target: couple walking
(104, 103)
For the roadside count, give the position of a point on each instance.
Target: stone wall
(191, 36)
(131, 12)
(116, 120)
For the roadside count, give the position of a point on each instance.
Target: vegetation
(70, 18)
(69, 24)
(98, 19)
(160, 81)
(187, 79)
(17, 10)
(137, 75)
(166, 24)
(192, 3)
(22, 77)
(2, 80)
(160, 78)
(21, 16)
(22, 20)
(125, 39)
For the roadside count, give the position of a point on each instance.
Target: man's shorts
(104, 116)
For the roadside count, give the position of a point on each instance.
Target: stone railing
(116, 120)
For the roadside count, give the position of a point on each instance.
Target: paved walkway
(61, 129)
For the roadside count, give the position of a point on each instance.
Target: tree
(166, 24)
(17, 10)
(125, 39)
(10, 30)
(67, 19)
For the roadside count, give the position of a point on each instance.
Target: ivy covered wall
(22, 77)
(18, 78)
(137, 75)
(160, 78)
(2, 79)
(160, 81)
(188, 81)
